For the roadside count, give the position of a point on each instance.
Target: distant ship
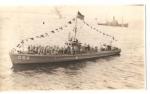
(74, 51)
(114, 22)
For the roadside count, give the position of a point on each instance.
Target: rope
(99, 31)
(60, 29)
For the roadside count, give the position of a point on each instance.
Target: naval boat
(75, 51)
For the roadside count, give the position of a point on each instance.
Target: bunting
(18, 45)
(99, 31)
(69, 22)
(32, 38)
(22, 41)
(53, 31)
(79, 16)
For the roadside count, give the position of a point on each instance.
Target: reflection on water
(49, 67)
(110, 72)
(64, 71)
(70, 75)
(90, 74)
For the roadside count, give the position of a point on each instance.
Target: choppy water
(117, 72)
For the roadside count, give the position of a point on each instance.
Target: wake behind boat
(72, 51)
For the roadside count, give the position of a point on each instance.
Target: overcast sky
(128, 12)
(25, 21)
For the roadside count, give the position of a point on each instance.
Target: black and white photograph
(72, 47)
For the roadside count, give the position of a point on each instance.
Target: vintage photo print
(72, 47)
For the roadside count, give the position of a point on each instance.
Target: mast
(69, 36)
(122, 21)
(75, 28)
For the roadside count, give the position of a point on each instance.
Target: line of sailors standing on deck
(56, 50)
(48, 50)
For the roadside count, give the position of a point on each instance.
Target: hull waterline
(30, 58)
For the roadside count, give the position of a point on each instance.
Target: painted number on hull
(24, 57)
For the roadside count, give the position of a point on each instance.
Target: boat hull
(29, 58)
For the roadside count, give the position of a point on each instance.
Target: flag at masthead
(80, 16)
